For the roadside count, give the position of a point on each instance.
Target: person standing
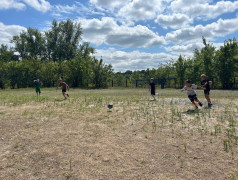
(37, 85)
(205, 85)
(152, 88)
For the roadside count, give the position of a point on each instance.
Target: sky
(129, 34)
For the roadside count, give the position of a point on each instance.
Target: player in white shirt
(192, 95)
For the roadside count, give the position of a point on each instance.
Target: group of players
(190, 88)
(64, 86)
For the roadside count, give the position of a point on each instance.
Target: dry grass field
(79, 138)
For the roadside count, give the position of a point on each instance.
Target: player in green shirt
(37, 85)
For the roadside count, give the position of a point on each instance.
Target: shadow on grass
(143, 100)
(207, 107)
(191, 111)
(59, 100)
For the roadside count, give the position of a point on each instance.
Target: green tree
(30, 44)
(6, 54)
(101, 73)
(181, 66)
(62, 40)
(208, 53)
(226, 62)
(85, 50)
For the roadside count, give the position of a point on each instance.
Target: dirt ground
(79, 138)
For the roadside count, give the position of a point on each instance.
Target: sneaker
(200, 104)
(209, 105)
(68, 95)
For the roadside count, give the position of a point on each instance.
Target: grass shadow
(59, 100)
(207, 107)
(191, 111)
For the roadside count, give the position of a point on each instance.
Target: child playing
(37, 85)
(64, 88)
(205, 84)
(152, 88)
(192, 95)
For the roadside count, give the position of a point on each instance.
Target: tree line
(220, 65)
(51, 55)
(59, 53)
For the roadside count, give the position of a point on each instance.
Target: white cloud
(66, 11)
(11, 4)
(186, 50)
(215, 29)
(134, 60)
(174, 21)
(108, 31)
(39, 5)
(109, 4)
(8, 31)
(95, 30)
(141, 10)
(202, 9)
(138, 36)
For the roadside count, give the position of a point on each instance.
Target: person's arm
(182, 90)
(57, 87)
(204, 85)
(195, 86)
(201, 87)
(67, 86)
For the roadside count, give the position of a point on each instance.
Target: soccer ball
(110, 106)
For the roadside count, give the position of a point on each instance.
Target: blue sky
(129, 34)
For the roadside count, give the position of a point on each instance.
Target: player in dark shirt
(64, 88)
(152, 88)
(205, 85)
(37, 85)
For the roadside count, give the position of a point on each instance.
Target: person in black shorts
(37, 85)
(192, 95)
(152, 88)
(64, 88)
(205, 85)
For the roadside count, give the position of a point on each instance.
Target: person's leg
(208, 98)
(39, 92)
(153, 96)
(196, 99)
(191, 97)
(63, 93)
(153, 93)
(195, 104)
(206, 93)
